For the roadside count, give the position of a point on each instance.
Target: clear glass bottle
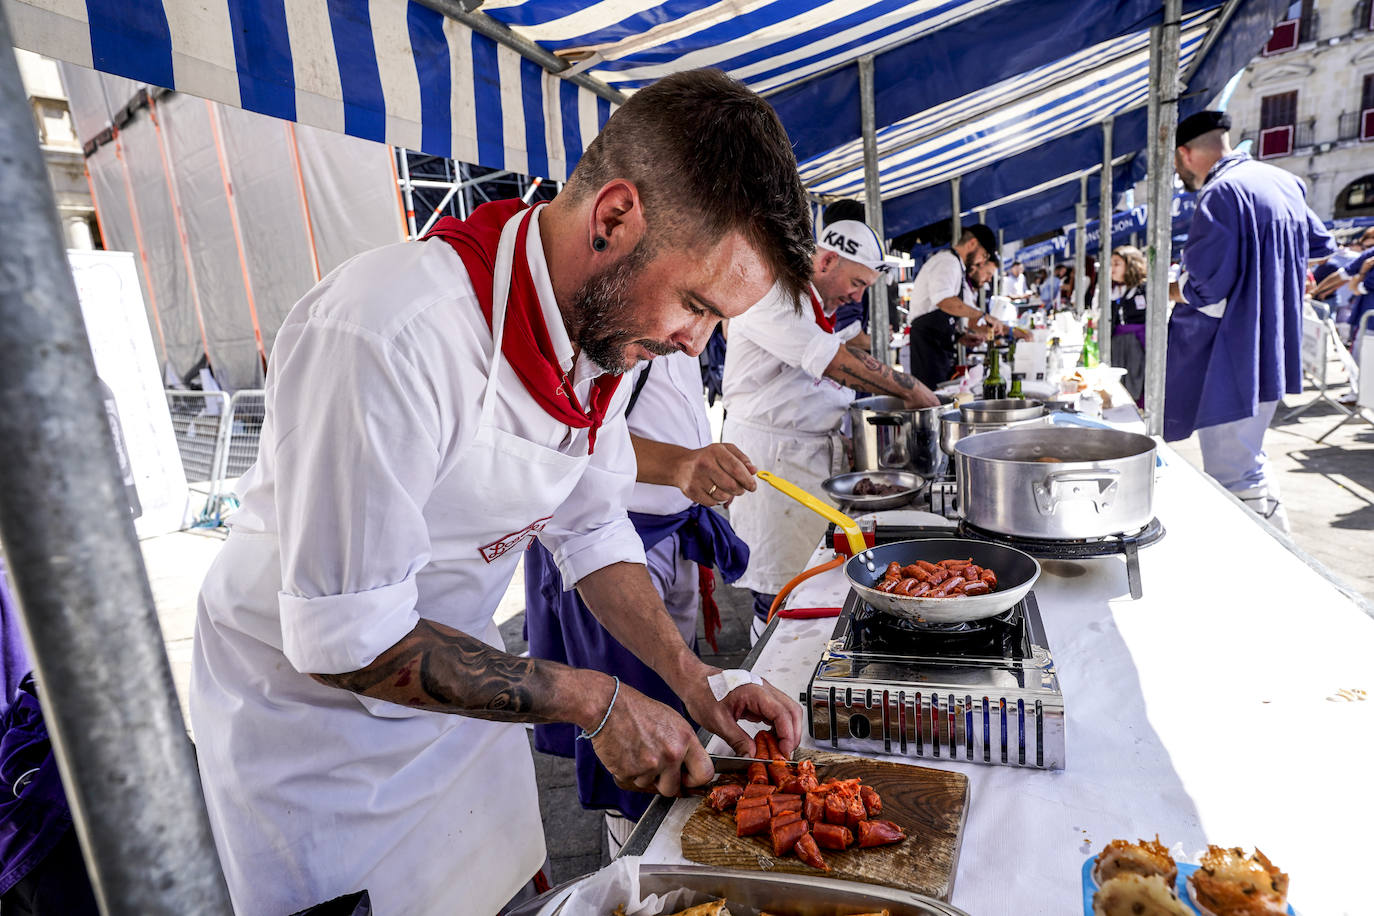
(1054, 362)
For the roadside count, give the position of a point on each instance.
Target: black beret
(1195, 125)
(986, 237)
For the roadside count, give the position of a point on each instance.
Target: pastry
(1129, 894)
(1145, 858)
(1230, 882)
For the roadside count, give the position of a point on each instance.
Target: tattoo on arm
(438, 668)
(874, 375)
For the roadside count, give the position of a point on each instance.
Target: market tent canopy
(959, 86)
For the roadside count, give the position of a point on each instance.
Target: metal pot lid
(1056, 444)
(1004, 410)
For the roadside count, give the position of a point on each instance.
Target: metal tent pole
(88, 613)
(982, 288)
(880, 330)
(956, 226)
(1163, 123)
(407, 191)
(1104, 250)
(1080, 248)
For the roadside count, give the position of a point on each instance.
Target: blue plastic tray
(1184, 870)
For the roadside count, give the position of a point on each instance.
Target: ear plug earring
(598, 244)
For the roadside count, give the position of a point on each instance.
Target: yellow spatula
(857, 544)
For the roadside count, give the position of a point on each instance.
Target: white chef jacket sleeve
(590, 530)
(776, 327)
(356, 447)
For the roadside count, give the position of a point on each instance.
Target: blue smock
(1237, 341)
(1361, 302)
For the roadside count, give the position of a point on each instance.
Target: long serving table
(1208, 711)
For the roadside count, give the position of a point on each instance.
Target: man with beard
(1235, 336)
(431, 407)
(941, 298)
(789, 378)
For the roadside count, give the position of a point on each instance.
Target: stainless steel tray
(749, 892)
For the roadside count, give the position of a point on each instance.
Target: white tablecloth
(1202, 712)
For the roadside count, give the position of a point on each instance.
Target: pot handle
(1096, 484)
(884, 421)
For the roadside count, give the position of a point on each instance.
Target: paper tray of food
(1144, 877)
(640, 889)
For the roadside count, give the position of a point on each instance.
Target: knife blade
(739, 764)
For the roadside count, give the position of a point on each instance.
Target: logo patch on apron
(505, 544)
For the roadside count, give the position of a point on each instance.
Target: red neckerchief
(526, 344)
(826, 322)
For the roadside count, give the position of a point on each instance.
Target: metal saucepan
(890, 435)
(953, 428)
(1016, 573)
(1057, 482)
(841, 489)
(1005, 410)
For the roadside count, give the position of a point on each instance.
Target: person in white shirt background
(942, 301)
(789, 379)
(681, 476)
(431, 406)
(1015, 285)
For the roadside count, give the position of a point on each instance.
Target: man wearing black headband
(1235, 337)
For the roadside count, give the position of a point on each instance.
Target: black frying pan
(1016, 573)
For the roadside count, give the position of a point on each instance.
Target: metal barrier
(217, 436)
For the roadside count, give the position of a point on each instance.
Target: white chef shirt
(941, 276)
(397, 347)
(775, 366)
(671, 408)
(1014, 287)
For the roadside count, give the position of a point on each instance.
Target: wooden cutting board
(929, 804)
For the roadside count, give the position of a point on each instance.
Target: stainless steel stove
(985, 691)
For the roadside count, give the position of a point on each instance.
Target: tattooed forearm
(439, 668)
(858, 369)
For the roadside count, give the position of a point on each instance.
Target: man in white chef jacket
(431, 407)
(681, 477)
(789, 378)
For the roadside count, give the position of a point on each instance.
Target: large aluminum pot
(1057, 483)
(888, 435)
(953, 427)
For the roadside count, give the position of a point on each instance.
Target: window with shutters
(1299, 24)
(1367, 109)
(1278, 119)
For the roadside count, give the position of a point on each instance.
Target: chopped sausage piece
(977, 588)
(927, 566)
(888, 585)
(751, 821)
(879, 833)
(808, 783)
(813, 808)
(724, 797)
(757, 775)
(832, 836)
(808, 852)
(836, 809)
(955, 564)
(854, 812)
(763, 745)
(780, 803)
(785, 836)
(873, 802)
(779, 773)
(791, 786)
(750, 801)
(949, 588)
(906, 587)
(758, 788)
(921, 590)
(894, 569)
(990, 578)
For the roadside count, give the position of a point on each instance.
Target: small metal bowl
(840, 488)
(1005, 410)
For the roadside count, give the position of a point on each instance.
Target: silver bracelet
(586, 735)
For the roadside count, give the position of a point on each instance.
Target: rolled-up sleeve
(590, 530)
(355, 464)
(775, 326)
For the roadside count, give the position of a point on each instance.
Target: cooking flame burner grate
(1079, 549)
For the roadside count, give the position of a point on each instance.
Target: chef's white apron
(781, 532)
(316, 792)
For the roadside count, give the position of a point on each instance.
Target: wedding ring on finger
(712, 491)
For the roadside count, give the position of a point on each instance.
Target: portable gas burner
(984, 691)
(1127, 544)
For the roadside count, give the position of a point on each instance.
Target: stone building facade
(61, 148)
(1306, 103)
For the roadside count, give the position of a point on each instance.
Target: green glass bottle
(1016, 393)
(994, 388)
(1089, 357)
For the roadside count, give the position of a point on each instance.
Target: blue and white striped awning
(1002, 120)
(962, 87)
